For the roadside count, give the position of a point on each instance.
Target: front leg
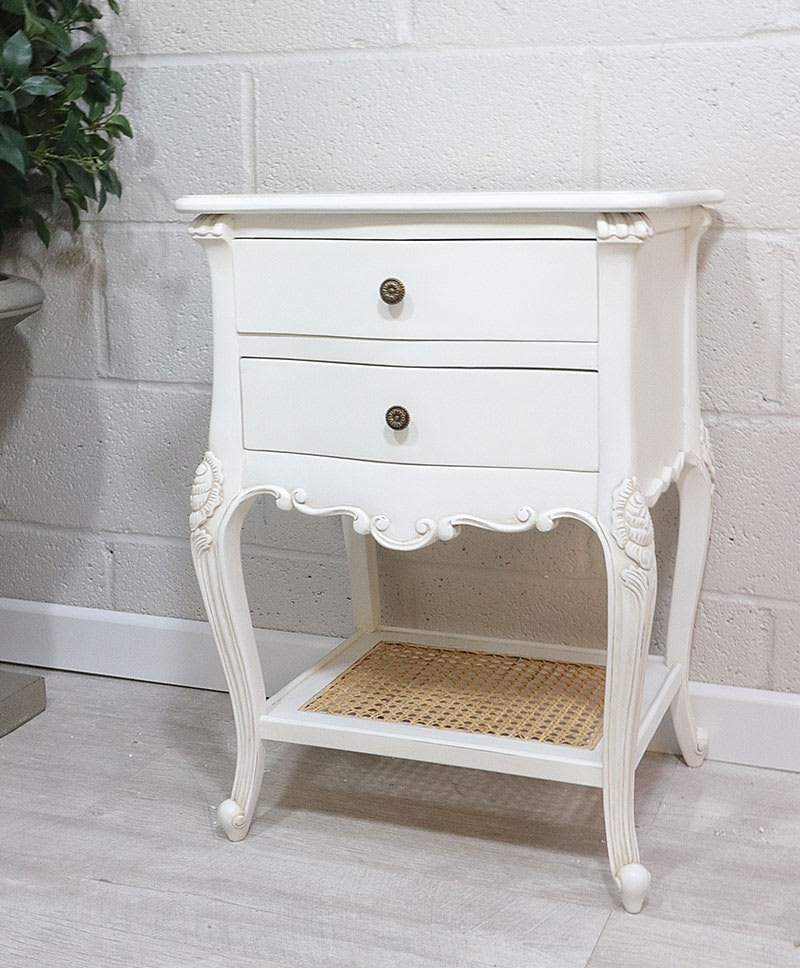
(631, 569)
(216, 524)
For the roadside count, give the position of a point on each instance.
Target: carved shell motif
(631, 524)
(206, 491)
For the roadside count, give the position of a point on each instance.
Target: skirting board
(177, 651)
(754, 727)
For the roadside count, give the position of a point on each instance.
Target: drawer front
(468, 417)
(475, 290)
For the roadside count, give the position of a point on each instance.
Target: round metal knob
(392, 291)
(398, 418)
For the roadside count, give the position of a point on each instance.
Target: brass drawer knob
(398, 418)
(392, 291)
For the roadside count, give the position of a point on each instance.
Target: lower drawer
(469, 417)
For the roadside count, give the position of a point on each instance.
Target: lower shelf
(424, 696)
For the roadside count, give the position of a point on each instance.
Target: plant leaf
(33, 26)
(39, 224)
(74, 211)
(58, 36)
(12, 156)
(120, 125)
(60, 112)
(12, 195)
(16, 54)
(14, 6)
(70, 132)
(40, 84)
(87, 54)
(15, 137)
(108, 179)
(82, 178)
(75, 87)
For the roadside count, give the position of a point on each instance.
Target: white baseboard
(127, 645)
(754, 727)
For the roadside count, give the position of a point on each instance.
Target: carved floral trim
(205, 498)
(206, 227)
(632, 525)
(623, 227)
(428, 529)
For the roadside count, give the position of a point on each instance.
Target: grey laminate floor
(110, 855)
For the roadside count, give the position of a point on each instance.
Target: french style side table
(417, 363)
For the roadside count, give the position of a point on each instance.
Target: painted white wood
(626, 536)
(751, 727)
(655, 705)
(407, 506)
(454, 414)
(695, 489)
(284, 719)
(443, 202)
(483, 353)
(657, 353)
(504, 447)
(505, 290)
(216, 552)
(362, 561)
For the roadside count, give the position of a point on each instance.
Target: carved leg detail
(631, 567)
(695, 488)
(216, 531)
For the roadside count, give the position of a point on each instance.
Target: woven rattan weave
(477, 692)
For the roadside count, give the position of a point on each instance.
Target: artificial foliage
(60, 112)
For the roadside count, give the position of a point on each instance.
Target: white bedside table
(417, 363)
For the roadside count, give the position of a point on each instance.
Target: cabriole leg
(695, 488)
(216, 538)
(631, 568)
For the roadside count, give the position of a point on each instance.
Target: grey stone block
(732, 116)
(158, 298)
(156, 26)
(508, 119)
(68, 568)
(21, 698)
(487, 22)
(187, 139)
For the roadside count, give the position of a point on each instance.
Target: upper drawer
(475, 290)
(470, 417)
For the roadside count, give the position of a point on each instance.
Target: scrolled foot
(696, 753)
(233, 820)
(702, 744)
(633, 881)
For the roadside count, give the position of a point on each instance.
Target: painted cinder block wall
(104, 396)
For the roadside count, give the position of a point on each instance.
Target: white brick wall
(104, 396)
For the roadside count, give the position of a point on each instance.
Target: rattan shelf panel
(476, 692)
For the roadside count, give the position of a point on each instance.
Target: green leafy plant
(60, 112)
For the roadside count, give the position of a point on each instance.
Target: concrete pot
(21, 697)
(19, 298)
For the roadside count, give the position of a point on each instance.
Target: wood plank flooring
(111, 856)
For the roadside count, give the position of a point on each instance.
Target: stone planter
(21, 696)
(19, 298)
